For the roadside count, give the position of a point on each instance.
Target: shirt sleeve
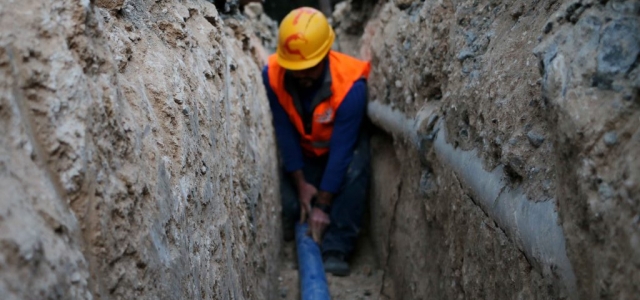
(346, 128)
(286, 135)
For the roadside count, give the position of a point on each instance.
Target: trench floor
(364, 282)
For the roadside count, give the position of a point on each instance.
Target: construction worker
(318, 99)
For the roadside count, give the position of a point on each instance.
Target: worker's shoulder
(358, 86)
(356, 96)
(360, 83)
(344, 55)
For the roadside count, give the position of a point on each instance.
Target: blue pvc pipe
(313, 282)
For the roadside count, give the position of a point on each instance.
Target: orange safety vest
(344, 70)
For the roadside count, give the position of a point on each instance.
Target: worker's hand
(306, 191)
(318, 223)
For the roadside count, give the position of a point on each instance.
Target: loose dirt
(364, 282)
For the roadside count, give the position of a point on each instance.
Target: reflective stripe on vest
(320, 144)
(344, 70)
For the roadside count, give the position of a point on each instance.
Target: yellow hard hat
(304, 39)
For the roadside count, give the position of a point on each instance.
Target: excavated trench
(499, 167)
(137, 154)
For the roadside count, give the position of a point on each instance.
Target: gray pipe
(532, 226)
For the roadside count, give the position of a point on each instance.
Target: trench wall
(542, 94)
(135, 153)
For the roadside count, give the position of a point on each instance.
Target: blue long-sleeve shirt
(347, 121)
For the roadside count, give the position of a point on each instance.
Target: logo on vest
(324, 117)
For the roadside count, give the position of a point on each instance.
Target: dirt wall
(546, 91)
(589, 59)
(135, 155)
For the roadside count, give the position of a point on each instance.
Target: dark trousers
(348, 204)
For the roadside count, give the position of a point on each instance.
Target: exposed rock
(619, 46)
(517, 11)
(464, 54)
(610, 138)
(605, 191)
(535, 139)
(263, 27)
(588, 70)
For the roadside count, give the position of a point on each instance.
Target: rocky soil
(546, 90)
(136, 157)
